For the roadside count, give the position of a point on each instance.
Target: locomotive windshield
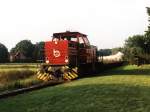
(86, 41)
(69, 38)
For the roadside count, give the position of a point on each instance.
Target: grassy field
(15, 75)
(124, 89)
(18, 65)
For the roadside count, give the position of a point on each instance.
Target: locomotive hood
(56, 52)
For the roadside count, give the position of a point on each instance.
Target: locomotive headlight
(56, 42)
(47, 61)
(66, 59)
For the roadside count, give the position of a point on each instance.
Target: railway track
(28, 89)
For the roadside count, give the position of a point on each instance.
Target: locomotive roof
(68, 33)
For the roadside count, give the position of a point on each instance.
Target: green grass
(124, 89)
(17, 75)
(12, 66)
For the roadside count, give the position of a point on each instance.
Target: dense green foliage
(3, 54)
(148, 31)
(25, 51)
(116, 50)
(38, 53)
(135, 47)
(125, 89)
(104, 52)
(24, 48)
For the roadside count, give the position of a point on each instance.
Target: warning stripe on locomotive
(45, 77)
(69, 75)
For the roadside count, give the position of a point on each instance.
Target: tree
(105, 52)
(116, 50)
(135, 41)
(24, 48)
(148, 31)
(147, 35)
(134, 47)
(38, 53)
(3, 54)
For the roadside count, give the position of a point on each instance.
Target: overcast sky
(106, 22)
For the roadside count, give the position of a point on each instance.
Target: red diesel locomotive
(67, 55)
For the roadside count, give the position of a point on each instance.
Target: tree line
(24, 51)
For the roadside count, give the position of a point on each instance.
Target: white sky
(106, 22)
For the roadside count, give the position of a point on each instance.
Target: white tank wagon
(118, 57)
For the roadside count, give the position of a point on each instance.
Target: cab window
(55, 39)
(74, 39)
(86, 41)
(81, 41)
